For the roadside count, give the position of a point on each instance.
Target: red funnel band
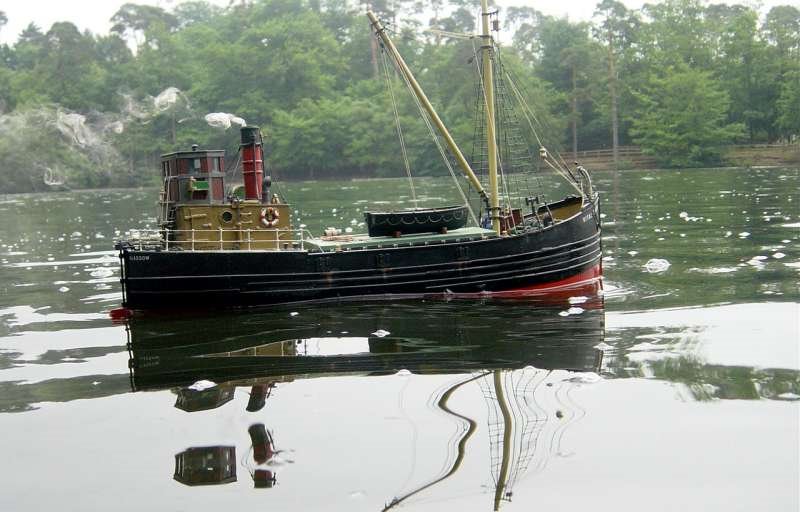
(252, 170)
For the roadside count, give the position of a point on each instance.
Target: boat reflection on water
(431, 336)
(206, 465)
(508, 350)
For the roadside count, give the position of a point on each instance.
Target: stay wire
(566, 175)
(543, 126)
(438, 143)
(399, 127)
(501, 74)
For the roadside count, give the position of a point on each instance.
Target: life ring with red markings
(269, 217)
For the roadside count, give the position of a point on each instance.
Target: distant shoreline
(604, 166)
(740, 156)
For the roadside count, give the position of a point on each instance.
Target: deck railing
(278, 239)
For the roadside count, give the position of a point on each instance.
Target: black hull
(223, 279)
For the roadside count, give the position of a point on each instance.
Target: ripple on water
(714, 270)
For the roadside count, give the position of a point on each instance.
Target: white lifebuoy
(269, 217)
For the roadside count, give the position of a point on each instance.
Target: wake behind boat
(236, 246)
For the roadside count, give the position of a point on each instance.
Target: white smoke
(135, 110)
(54, 176)
(80, 139)
(116, 127)
(170, 97)
(171, 100)
(223, 120)
(73, 126)
(143, 111)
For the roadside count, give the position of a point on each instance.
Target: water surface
(678, 389)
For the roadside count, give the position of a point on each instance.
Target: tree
(676, 32)
(782, 27)
(29, 47)
(271, 66)
(68, 72)
(138, 23)
(782, 31)
(684, 120)
(788, 105)
(192, 13)
(568, 61)
(460, 21)
(616, 30)
(743, 66)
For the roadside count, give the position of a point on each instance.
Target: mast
(491, 142)
(415, 87)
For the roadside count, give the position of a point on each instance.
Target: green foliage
(44, 141)
(677, 33)
(310, 74)
(789, 104)
(684, 122)
(782, 28)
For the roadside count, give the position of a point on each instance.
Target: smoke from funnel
(223, 120)
(168, 98)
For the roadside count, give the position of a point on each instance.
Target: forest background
(682, 79)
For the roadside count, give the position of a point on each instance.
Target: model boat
(225, 246)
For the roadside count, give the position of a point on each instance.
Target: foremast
(492, 197)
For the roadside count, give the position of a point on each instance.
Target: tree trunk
(612, 92)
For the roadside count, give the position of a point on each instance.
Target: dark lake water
(679, 389)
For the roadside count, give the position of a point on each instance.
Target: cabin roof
(200, 153)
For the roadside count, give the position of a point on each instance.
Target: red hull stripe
(588, 278)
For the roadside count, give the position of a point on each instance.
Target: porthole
(226, 216)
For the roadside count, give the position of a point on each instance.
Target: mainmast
(508, 422)
(491, 142)
(426, 104)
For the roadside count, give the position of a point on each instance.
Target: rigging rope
(486, 106)
(501, 73)
(438, 145)
(525, 111)
(566, 167)
(399, 129)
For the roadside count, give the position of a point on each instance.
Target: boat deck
(359, 242)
